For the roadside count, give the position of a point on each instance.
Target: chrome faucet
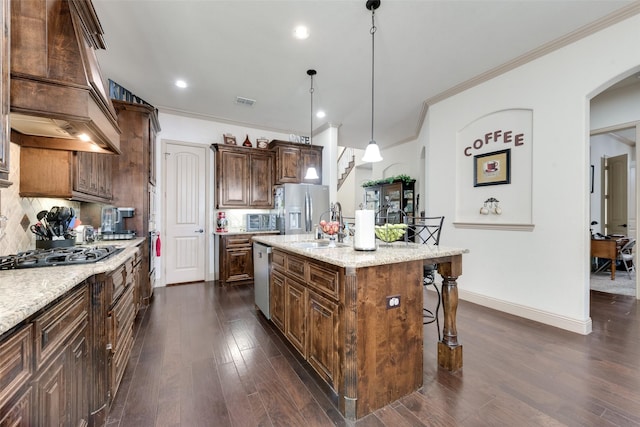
(337, 211)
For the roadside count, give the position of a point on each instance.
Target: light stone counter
(346, 256)
(25, 291)
(239, 232)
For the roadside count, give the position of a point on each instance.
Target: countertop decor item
(247, 142)
(262, 143)
(229, 139)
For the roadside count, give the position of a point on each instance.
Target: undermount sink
(319, 244)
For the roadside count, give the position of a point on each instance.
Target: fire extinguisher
(158, 245)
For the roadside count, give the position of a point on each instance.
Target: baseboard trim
(552, 319)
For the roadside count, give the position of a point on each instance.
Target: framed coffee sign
(492, 168)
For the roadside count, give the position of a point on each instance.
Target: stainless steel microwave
(261, 222)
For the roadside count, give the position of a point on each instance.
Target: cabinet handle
(199, 231)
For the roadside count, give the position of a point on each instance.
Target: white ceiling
(226, 49)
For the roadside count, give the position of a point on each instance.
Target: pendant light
(372, 153)
(312, 173)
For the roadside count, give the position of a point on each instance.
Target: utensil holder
(49, 244)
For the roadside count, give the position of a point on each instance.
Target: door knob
(199, 231)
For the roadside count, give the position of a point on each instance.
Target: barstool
(426, 230)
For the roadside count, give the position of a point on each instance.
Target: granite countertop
(237, 232)
(25, 291)
(346, 256)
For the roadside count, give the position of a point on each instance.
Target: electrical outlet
(393, 301)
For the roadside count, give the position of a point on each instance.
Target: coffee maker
(114, 223)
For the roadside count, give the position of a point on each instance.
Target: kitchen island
(356, 316)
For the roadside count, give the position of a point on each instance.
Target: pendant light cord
(373, 50)
(311, 130)
(311, 73)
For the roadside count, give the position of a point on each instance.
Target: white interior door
(185, 213)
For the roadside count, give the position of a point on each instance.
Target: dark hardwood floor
(204, 357)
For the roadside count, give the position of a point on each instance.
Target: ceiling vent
(245, 101)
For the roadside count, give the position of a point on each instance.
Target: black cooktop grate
(57, 256)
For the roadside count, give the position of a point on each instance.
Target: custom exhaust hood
(57, 96)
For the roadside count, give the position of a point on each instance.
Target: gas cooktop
(57, 256)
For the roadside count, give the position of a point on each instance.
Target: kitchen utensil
(62, 220)
(39, 230)
(52, 220)
(42, 217)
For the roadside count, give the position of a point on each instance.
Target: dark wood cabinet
(63, 365)
(276, 296)
(323, 336)
(133, 174)
(295, 313)
(16, 369)
(292, 161)
(4, 94)
(80, 176)
(61, 359)
(244, 177)
(304, 306)
(236, 259)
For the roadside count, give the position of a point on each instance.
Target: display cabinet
(388, 199)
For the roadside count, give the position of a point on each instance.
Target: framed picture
(229, 139)
(492, 168)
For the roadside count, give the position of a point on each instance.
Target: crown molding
(587, 30)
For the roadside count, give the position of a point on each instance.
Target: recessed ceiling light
(181, 84)
(320, 114)
(301, 32)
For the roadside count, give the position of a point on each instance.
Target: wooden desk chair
(427, 230)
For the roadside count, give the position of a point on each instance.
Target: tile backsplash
(16, 238)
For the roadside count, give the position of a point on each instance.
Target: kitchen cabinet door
(292, 161)
(323, 335)
(311, 156)
(52, 405)
(261, 180)
(244, 177)
(295, 306)
(277, 300)
(232, 171)
(18, 414)
(236, 265)
(16, 367)
(288, 165)
(80, 176)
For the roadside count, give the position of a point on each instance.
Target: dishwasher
(261, 271)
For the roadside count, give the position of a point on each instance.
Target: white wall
(541, 274)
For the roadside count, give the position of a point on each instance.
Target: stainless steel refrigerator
(299, 207)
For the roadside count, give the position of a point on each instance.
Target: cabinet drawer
(324, 280)
(295, 266)
(55, 325)
(240, 240)
(118, 282)
(278, 260)
(15, 362)
(121, 319)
